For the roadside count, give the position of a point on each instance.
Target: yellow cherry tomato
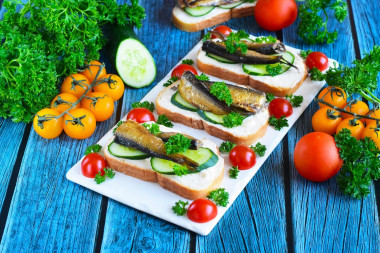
(326, 120)
(75, 84)
(112, 85)
(334, 96)
(46, 125)
(92, 69)
(100, 104)
(359, 108)
(79, 123)
(374, 114)
(64, 101)
(356, 130)
(370, 132)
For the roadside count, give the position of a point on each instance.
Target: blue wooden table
(278, 211)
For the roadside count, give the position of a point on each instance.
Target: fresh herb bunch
(316, 74)
(152, 128)
(180, 170)
(259, 149)
(45, 40)
(296, 101)
(93, 149)
(188, 61)
(233, 42)
(304, 54)
(269, 97)
(177, 143)
(163, 120)
(203, 77)
(313, 17)
(221, 92)
(180, 207)
(265, 39)
(279, 123)
(273, 70)
(145, 104)
(170, 81)
(232, 120)
(219, 196)
(226, 146)
(108, 172)
(234, 172)
(361, 164)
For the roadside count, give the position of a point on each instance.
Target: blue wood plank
(323, 219)
(257, 220)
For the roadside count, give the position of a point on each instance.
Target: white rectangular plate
(153, 199)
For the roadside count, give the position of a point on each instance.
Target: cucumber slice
(199, 11)
(219, 58)
(211, 117)
(178, 101)
(260, 69)
(230, 6)
(203, 156)
(126, 152)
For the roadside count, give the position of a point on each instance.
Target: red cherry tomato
(280, 107)
(273, 15)
(140, 115)
(223, 29)
(202, 210)
(180, 69)
(316, 157)
(92, 164)
(318, 60)
(243, 157)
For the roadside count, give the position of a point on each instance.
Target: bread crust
(242, 12)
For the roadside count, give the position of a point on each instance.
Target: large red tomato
(274, 15)
(316, 157)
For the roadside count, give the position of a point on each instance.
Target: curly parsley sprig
(233, 119)
(108, 172)
(177, 143)
(278, 123)
(226, 146)
(259, 149)
(219, 196)
(296, 101)
(93, 149)
(163, 120)
(233, 42)
(171, 81)
(234, 172)
(153, 128)
(145, 104)
(180, 207)
(220, 91)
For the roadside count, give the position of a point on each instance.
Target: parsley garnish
(316, 74)
(233, 42)
(107, 173)
(117, 125)
(203, 77)
(207, 36)
(232, 120)
(180, 170)
(361, 164)
(259, 149)
(219, 196)
(145, 104)
(188, 61)
(269, 97)
(234, 172)
(296, 101)
(163, 120)
(273, 70)
(226, 146)
(304, 54)
(221, 92)
(171, 81)
(180, 207)
(265, 39)
(278, 124)
(93, 149)
(313, 27)
(153, 128)
(177, 143)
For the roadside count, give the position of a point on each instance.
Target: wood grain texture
(257, 220)
(324, 220)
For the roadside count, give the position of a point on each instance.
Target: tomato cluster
(82, 102)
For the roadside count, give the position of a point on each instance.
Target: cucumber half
(199, 11)
(211, 117)
(219, 58)
(203, 156)
(126, 152)
(231, 6)
(178, 101)
(260, 69)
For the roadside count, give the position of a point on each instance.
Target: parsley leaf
(153, 128)
(117, 125)
(180, 207)
(93, 149)
(203, 77)
(269, 97)
(259, 149)
(273, 70)
(234, 172)
(278, 124)
(177, 143)
(316, 74)
(145, 104)
(233, 42)
(180, 170)
(188, 61)
(107, 173)
(232, 120)
(207, 36)
(265, 39)
(163, 120)
(171, 81)
(219, 196)
(304, 54)
(221, 92)
(226, 146)
(296, 101)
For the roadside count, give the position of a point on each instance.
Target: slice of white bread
(188, 23)
(253, 127)
(191, 186)
(281, 85)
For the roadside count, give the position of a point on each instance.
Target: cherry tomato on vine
(326, 120)
(316, 157)
(243, 157)
(180, 69)
(140, 115)
(369, 131)
(202, 210)
(334, 96)
(280, 107)
(92, 69)
(48, 128)
(81, 126)
(100, 104)
(63, 101)
(359, 108)
(223, 29)
(75, 84)
(92, 164)
(274, 15)
(111, 85)
(356, 128)
(317, 60)
(374, 114)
